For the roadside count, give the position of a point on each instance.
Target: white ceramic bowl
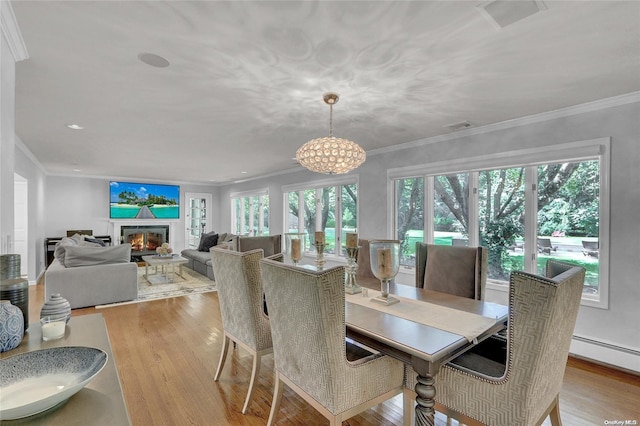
(35, 381)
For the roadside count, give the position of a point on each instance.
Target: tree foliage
(567, 195)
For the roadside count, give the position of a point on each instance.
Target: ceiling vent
(459, 126)
(502, 13)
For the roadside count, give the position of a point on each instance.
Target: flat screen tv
(129, 200)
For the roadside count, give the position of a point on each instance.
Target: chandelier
(331, 155)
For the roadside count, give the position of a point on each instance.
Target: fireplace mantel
(116, 226)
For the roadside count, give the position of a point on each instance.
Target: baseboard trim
(612, 355)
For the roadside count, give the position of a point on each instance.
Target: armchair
(307, 316)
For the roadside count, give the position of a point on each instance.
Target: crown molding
(27, 152)
(598, 105)
(11, 32)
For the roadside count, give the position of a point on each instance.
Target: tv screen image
(129, 200)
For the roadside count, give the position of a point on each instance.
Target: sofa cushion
(61, 246)
(198, 256)
(76, 256)
(207, 241)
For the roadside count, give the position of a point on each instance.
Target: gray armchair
(518, 381)
(307, 316)
(241, 304)
(270, 244)
(457, 270)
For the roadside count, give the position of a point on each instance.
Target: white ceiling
(244, 88)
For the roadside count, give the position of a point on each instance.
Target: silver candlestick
(350, 285)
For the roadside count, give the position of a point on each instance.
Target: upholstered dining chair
(244, 321)
(307, 316)
(517, 381)
(457, 270)
(363, 260)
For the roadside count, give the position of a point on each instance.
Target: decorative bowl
(33, 382)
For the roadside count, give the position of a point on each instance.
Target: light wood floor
(167, 351)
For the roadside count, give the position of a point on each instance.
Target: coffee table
(167, 267)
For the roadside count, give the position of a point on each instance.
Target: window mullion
(429, 207)
(531, 220)
(473, 219)
(301, 211)
(338, 220)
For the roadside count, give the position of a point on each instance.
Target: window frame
(264, 192)
(317, 185)
(592, 149)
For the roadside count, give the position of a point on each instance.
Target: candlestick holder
(385, 263)
(320, 260)
(295, 242)
(350, 285)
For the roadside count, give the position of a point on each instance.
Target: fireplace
(144, 239)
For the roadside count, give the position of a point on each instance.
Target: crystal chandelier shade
(331, 155)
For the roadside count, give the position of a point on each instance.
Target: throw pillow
(208, 241)
(95, 241)
(88, 256)
(203, 238)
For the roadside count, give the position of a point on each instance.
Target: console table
(101, 401)
(50, 246)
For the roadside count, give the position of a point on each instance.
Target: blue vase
(11, 326)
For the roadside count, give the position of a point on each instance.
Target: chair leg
(555, 414)
(408, 410)
(255, 371)
(275, 403)
(223, 357)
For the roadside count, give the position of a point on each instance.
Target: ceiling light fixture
(153, 60)
(74, 126)
(331, 155)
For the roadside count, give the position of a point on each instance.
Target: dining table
(426, 329)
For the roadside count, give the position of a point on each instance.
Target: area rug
(192, 283)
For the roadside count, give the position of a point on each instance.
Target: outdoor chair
(591, 248)
(244, 321)
(517, 381)
(545, 247)
(307, 316)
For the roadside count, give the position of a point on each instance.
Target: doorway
(197, 217)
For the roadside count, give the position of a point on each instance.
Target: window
(524, 214)
(250, 213)
(327, 206)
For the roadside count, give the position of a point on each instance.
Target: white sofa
(87, 275)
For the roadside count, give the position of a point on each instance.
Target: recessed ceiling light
(153, 60)
(244, 173)
(77, 170)
(74, 126)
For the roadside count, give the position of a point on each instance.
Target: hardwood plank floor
(167, 352)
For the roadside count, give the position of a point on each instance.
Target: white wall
(612, 335)
(28, 167)
(7, 135)
(83, 203)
